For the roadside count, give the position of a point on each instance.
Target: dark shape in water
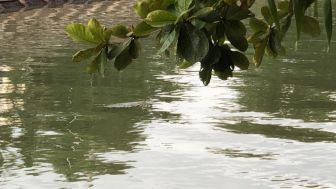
(283, 132)
(126, 105)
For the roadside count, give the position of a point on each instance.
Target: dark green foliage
(192, 44)
(211, 32)
(327, 7)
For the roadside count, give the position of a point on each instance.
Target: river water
(272, 127)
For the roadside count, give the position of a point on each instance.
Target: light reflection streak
(7, 103)
(6, 86)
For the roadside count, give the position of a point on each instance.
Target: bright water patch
(154, 126)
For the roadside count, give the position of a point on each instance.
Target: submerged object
(125, 105)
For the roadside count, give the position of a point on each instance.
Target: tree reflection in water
(49, 113)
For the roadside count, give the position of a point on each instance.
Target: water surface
(154, 126)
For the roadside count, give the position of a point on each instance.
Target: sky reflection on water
(272, 127)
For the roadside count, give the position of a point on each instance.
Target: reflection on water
(154, 125)
(237, 153)
(285, 132)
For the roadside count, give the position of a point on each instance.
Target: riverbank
(22, 5)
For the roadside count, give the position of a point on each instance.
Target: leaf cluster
(211, 32)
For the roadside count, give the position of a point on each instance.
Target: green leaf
(240, 60)
(125, 53)
(274, 13)
(182, 16)
(120, 31)
(205, 74)
(193, 45)
(212, 16)
(96, 30)
(224, 75)
(299, 11)
(83, 55)
(255, 37)
(235, 32)
(123, 59)
(311, 26)
(219, 33)
(134, 48)
(224, 67)
(235, 28)
(183, 5)
(107, 35)
(170, 38)
(143, 29)
(265, 11)
(213, 56)
(166, 4)
(119, 49)
(86, 54)
(94, 65)
(203, 12)
(103, 62)
(258, 25)
(284, 5)
(160, 18)
(273, 43)
(199, 24)
(79, 33)
(207, 64)
(328, 20)
(185, 64)
(234, 12)
(98, 63)
(142, 9)
(259, 51)
(285, 24)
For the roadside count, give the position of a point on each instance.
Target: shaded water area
(154, 126)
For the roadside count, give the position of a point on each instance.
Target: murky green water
(273, 127)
